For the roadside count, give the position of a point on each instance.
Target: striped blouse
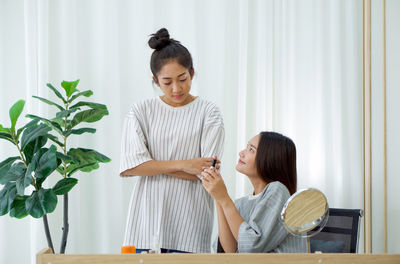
(262, 230)
(179, 213)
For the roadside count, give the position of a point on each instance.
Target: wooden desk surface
(46, 257)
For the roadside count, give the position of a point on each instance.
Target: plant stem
(66, 225)
(47, 231)
(65, 228)
(65, 141)
(20, 153)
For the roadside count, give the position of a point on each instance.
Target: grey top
(262, 230)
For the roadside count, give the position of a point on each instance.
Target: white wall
(393, 123)
(393, 127)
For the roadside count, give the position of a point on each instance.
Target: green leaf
(32, 133)
(60, 169)
(15, 112)
(59, 121)
(57, 93)
(89, 104)
(69, 87)
(33, 147)
(5, 167)
(88, 160)
(7, 195)
(30, 124)
(64, 185)
(34, 206)
(47, 163)
(44, 100)
(18, 209)
(43, 163)
(41, 202)
(55, 125)
(16, 171)
(87, 166)
(4, 130)
(66, 158)
(88, 116)
(49, 199)
(7, 136)
(82, 154)
(55, 140)
(22, 183)
(79, 131)
(40, 179)
(25, 179)
(66, 113)
(84, 93)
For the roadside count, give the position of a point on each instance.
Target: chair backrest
(340, 235)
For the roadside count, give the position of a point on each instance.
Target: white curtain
(288, 66)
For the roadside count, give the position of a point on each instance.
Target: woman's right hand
(196, 166)
(214, 184)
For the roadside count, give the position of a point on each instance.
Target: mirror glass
(305, 213)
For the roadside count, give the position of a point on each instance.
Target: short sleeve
(213, 134)
(264, 232)
(134, 150)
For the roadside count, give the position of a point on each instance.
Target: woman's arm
(230, 224)
(152, 167)
(183, 175)
(182, 169)
(231, 213)
(226, 238)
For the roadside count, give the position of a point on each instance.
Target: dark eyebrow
(252, 145)
(168, 78)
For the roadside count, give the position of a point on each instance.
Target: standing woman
(251, 224)
(167, 141)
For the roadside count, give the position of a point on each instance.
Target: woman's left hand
(214, 184)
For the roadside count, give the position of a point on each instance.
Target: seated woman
(251, 224)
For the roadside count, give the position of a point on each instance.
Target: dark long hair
(276, 159)
(167, 49)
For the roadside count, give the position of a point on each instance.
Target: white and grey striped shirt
(262, 231)
(179, 212)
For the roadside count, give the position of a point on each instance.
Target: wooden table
(46, 257)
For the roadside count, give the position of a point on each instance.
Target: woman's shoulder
(212, 112)
(209, 106)
(277, 190)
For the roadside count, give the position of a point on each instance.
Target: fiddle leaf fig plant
(42, 150)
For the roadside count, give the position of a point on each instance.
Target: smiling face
(247, 158)
(175, 82)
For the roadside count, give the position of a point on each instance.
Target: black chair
(341, 232)
(219, 248)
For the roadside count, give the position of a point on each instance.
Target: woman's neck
(259, 184)
(190, 98)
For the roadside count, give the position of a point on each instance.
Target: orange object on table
(128, 250)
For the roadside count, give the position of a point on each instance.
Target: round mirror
(305, 213)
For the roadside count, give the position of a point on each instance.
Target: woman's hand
(214, 184)
(228, 214)
(196, 166)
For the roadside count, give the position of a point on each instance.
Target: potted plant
(41, 150)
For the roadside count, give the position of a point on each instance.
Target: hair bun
(160, 39)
